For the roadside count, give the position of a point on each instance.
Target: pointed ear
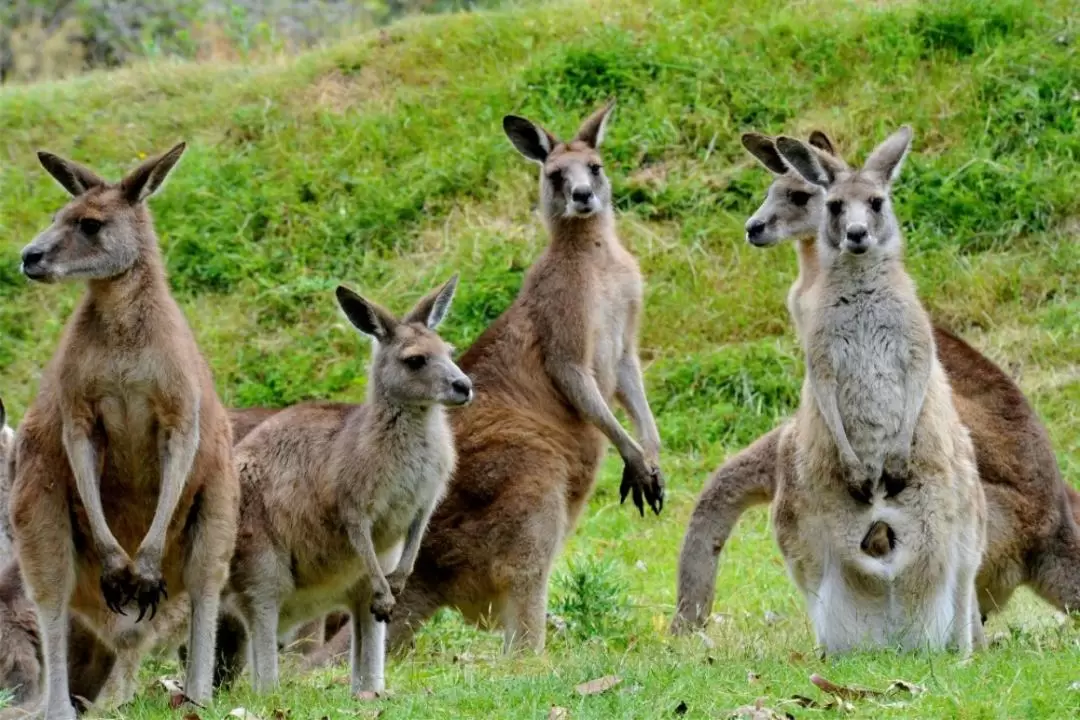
(764, 149)
(592, 129)
(531, 140)
(888, 157)
(72, 176)
(814, 167)
(366, 316)
(143, 181)
(3, 414)
(433, 307)
(823, 143)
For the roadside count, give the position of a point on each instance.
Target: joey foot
(646, 482)
(861, 478)
(382, 603)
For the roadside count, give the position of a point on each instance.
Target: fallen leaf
(192, 716)
(367, 695)
(842, 692)
(176, 700)
(599, 685)
(171, 685)
(465, 657)
(796, 657)
(558, 713)
(758, 711)
(752, 677)
(243, 714)
(281, 713)
(903, 686)
(681, 708)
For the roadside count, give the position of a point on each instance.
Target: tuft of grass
(379, 162)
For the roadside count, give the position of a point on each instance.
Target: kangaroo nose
(857, 234)
(32, 257)
(754, 229)
(582, 194)
(463, 388)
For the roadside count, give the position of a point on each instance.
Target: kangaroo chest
(869, 349)
(612, 312)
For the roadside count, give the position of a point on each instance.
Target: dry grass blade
(599, 685)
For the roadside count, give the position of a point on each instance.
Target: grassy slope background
(381, 163)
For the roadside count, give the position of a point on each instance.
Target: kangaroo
(546, 372)
(1033, 514)
(336, 495)
(876, 436)
(126, 447)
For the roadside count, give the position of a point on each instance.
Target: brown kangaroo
(90, 662)
(1032, 536)
(126, 448)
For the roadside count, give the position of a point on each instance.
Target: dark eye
(595, 169)
(415, 362)
(798, 198)
(836, 207)
(89, 226)
(876, 203)
(555, 178)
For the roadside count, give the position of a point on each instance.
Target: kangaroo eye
(876, 203)
(555, 178)
(415, 362)
(836, 207)
(798, 198)
(595, 168)
(89, 226)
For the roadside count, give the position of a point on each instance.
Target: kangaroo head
(792, 206)
(572, 179)
(104, 228)
(411, 364)
(858, 218)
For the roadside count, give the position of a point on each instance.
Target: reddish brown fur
(527, 455)
(127, 368)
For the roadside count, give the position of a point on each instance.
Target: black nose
(462, 387)
(755, 230)
(857, 235)
(582, 195)
(32, 257)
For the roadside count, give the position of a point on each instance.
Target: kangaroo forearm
(84, 466)
(825, 395)
(914, 397)
(360, 537)
(176, 463)
(581, 390)
(412, 541)
(631, 392)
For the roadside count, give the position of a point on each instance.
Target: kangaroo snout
(879, 541)
(462, 391)
(32, 263)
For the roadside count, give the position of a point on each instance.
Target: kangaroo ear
(592, 129)
(433, 307)
(813, 166)
(144, 181)
(888, 157)
(3, 414)
(823, 142)
(764, 149)
(365, 315)
(72, 176)
(531, 140)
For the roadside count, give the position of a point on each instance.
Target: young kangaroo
(1032, 532)
(336, 495)
(126, 448)
(546, 373)
(876, 438)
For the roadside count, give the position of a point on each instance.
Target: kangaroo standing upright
(336, 497)
(546, 373)
(124, 487)
(883, 521)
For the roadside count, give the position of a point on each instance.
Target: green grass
(380, 162)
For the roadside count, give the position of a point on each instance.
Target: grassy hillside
(381, 162)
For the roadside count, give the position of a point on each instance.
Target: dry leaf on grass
(599, 685)
(367, 695)
(243, 714)
(192, 716)
(752, 677)
(758, 711)
(842, 692)
(558, 713)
